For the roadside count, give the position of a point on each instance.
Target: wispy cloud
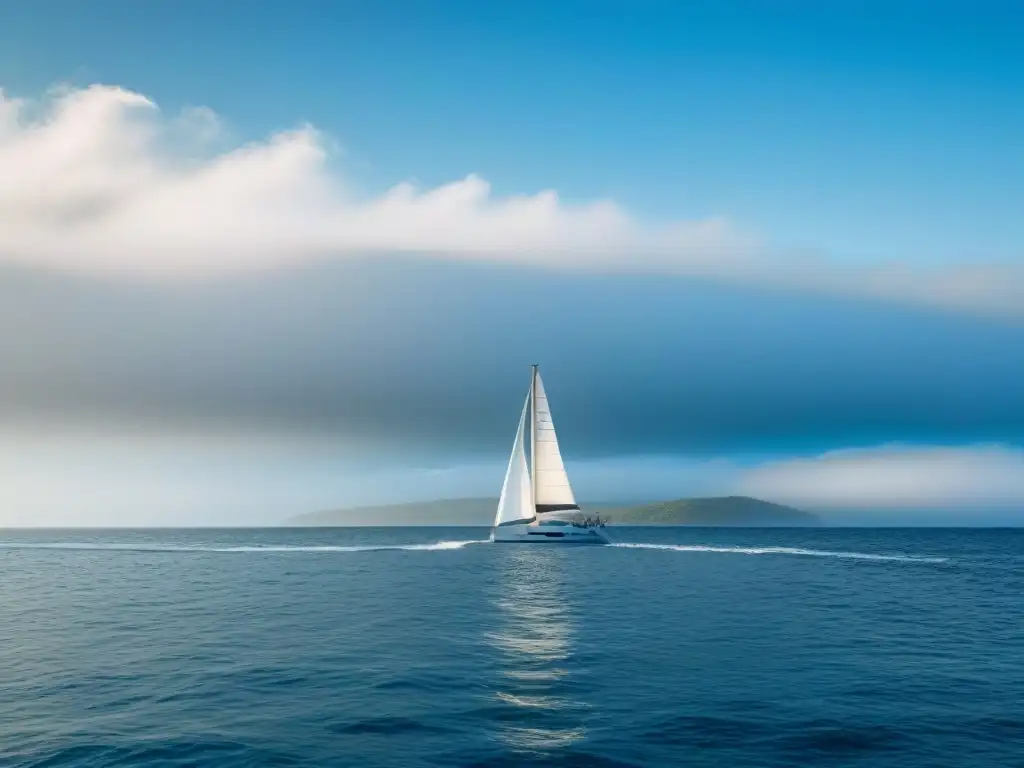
(894, 477)
(100, 180)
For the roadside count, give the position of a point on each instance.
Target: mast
(533, 437)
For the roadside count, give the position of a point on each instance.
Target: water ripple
(233, 648)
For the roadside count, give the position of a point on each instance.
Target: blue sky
(815, 242)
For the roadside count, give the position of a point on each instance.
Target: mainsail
(552, 492)
(516, 502)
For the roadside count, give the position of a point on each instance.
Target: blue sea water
(429, 647)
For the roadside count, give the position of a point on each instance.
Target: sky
(258, 260)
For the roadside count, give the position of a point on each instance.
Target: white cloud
(895, 477)
(99, 180)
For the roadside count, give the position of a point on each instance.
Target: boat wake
(784, 551)
(436, 546)
(270, 548)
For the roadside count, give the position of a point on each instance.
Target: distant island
(479, 512)
(720, 510)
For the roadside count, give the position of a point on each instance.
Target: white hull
(534, 533)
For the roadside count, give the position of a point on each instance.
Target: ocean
(430, 647)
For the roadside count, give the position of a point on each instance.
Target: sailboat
(537, 502)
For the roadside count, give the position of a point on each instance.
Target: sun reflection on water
(534, 644)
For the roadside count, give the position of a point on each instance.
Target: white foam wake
(432, 547)
(784, 551)
(270, 548)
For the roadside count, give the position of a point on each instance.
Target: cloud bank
(418, 353)
(139, 480)
(96, 479)
(99, 180)
(894, 477)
